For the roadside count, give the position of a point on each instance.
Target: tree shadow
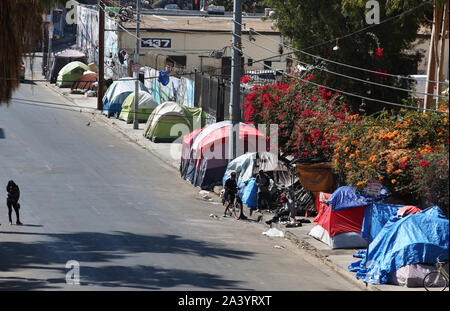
(53, 250)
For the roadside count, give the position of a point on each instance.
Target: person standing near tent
(263, 183)
(12, 201)
(231, 189)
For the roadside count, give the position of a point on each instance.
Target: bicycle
(234, 208)
(437, 280)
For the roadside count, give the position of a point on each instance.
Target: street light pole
(136, 69)
(235, 112)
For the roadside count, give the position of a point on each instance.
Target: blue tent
(381, 213)
(415, 239)
(117, 93)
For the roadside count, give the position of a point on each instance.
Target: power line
(303, 51)
(347, 76)
(354, 95)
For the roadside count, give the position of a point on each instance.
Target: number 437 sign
(156, 43)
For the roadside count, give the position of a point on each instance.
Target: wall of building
(194, 45)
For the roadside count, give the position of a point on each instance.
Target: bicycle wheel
(237, 209)
(435, 281)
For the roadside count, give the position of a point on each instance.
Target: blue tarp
(346, 197)
(117, 93)
(381, 213)
(416, 238)
(250, 194)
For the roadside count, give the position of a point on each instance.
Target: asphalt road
(90, 195)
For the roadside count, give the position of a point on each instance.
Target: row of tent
(163, 122)
(399, 243)
(119, 101)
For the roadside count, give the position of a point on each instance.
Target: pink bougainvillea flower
(424, 163)
(245, 79)
(379, 53)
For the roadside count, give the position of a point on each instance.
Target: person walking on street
(12, 201)
(263, 183)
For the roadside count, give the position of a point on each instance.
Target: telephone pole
(235, 111)
(136, 64)
(101, 55)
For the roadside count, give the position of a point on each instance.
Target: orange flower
(397, 172)
(360, 183)
(393, 181)
(347, 149)
(351, 156)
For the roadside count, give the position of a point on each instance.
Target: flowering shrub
(307, 117)
(394, 148)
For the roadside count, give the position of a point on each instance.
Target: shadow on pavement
(53, 252)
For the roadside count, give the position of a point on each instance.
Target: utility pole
(433, 57)
(101, 55)
(136, 65)
(51, 29)
(235, 111)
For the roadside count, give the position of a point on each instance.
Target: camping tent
(60, 59)
(340, 222)
(85, 83)
(404, 242)
(208, 157)
(146, 105)
(247, 165)
(187, 170)
(378, 215)
(117, 93)
(70, 73)
(169, 119)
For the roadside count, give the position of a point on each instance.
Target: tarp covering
(247, 166)
(170, 119)
(321, 204)
(70, 73)
(346, 197)
(417, 238)
(146, 105)
(249, 195)
(316, 177)
(117, 93)
(375, 217)
(85, 83)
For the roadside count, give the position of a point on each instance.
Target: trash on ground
(205, 195)
(274, 232)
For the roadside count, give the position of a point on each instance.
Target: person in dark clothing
(12, 201)
(231, 189)
(263, 183)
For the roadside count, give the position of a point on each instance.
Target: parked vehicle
(22, 73)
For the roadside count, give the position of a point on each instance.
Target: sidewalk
(338, 259)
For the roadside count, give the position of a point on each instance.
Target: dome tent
(146, 105)
(60, 59)
(70, 73)
(117, 93)
(161, 122)
(207, 171)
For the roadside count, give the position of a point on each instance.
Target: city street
(89, 194)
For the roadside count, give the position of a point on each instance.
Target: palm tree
(20, 32)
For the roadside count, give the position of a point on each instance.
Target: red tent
(339, 228)
(208, 156)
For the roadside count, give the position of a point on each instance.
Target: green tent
(70, 73)
(169, 121)
(146, 105)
